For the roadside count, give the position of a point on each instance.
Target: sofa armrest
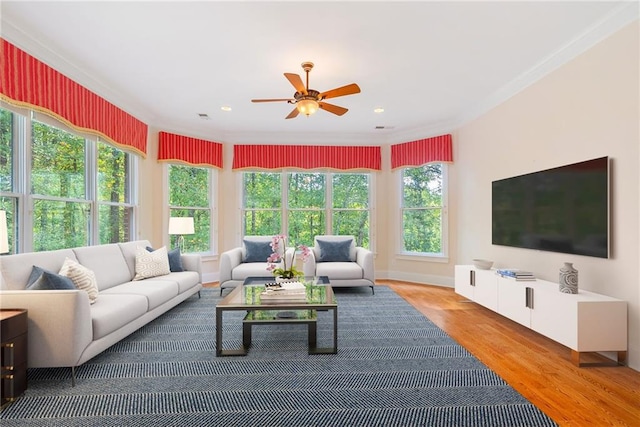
(228, 261)
(60, 327)
(364, 258)
(192, 262)
(309, 267)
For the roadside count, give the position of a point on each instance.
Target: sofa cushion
(256, 251)
(175, 259)
(41, 279)
(339, 270)
(106, 262)
(185, 279)
(334, 251)
(111, 312)
(82, 277)
(157, 292)
(250, 269)
(151, 264)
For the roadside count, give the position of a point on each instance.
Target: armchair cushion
(256, 251)
(334, 251)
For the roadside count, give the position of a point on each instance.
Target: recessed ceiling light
(225, 108)
(378, 110)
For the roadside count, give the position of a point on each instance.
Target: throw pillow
(175, 260)
(151, 264)
(43, 280)
(82, 277)
(257, 251)
(334, 251)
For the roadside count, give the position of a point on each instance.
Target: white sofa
(234, 267)
(64, 329)
(354, 268)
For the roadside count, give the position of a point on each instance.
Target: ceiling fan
(308, 101)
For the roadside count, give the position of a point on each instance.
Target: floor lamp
(180, 226)
(4, 234)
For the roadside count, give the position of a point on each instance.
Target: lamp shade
(181, 225)
(4, 234)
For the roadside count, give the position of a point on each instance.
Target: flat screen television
(564, 209)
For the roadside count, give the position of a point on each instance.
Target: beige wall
(586, 109)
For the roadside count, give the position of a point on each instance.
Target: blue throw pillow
(334, 251)
(175, 260)
(42, 280)
(256, 251)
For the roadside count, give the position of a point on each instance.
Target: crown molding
(607, 26)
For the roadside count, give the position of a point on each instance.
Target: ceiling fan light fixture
(307, 106)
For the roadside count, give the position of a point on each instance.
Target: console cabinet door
(464, 280)
(486, 289)
(554, 314)
(512, 301)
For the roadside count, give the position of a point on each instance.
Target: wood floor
(540, 369)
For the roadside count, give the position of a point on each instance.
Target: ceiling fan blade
(271, 100)
(293, 114)
(335, 109)
(340, 91)
(296, 81)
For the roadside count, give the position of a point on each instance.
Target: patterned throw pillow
(175, 260)
(151, 264)
(82, 277)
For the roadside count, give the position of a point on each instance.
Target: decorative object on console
(568, 279)
(181, 226)
(284, 272)
(515, 273)
(482, 264)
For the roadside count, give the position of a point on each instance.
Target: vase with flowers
(284, 271)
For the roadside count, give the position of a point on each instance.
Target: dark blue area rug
(394, 367)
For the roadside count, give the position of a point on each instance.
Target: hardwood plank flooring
(537, 367)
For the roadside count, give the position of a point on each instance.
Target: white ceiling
(430, 65)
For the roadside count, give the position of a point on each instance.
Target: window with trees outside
(190, 196)
(302, 205)
(79, 187)
(423, 208)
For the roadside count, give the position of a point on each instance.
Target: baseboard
(424, 279)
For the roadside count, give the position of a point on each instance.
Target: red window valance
(192, 151)
(28, 82)
(305, 157)
(423, 151)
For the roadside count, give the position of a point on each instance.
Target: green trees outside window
(190, 196)
(303, 205)
(422, 209)
(78, 186)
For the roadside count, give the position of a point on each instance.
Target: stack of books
(516, 274)
(284, 292)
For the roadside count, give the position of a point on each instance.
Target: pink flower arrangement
(278, 242)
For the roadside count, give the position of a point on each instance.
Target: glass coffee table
(247, 297)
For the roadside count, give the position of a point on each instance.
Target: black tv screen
(564, 209)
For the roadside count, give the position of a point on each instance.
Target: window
(303, 205)
(423, 209)
(80, 189)
(190, 196)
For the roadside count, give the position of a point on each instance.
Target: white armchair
(248, 260)
(338, 258)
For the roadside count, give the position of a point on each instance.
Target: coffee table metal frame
(234, 301)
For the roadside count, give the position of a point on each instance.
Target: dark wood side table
(13, 332)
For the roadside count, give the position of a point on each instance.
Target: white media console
(584, 322)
